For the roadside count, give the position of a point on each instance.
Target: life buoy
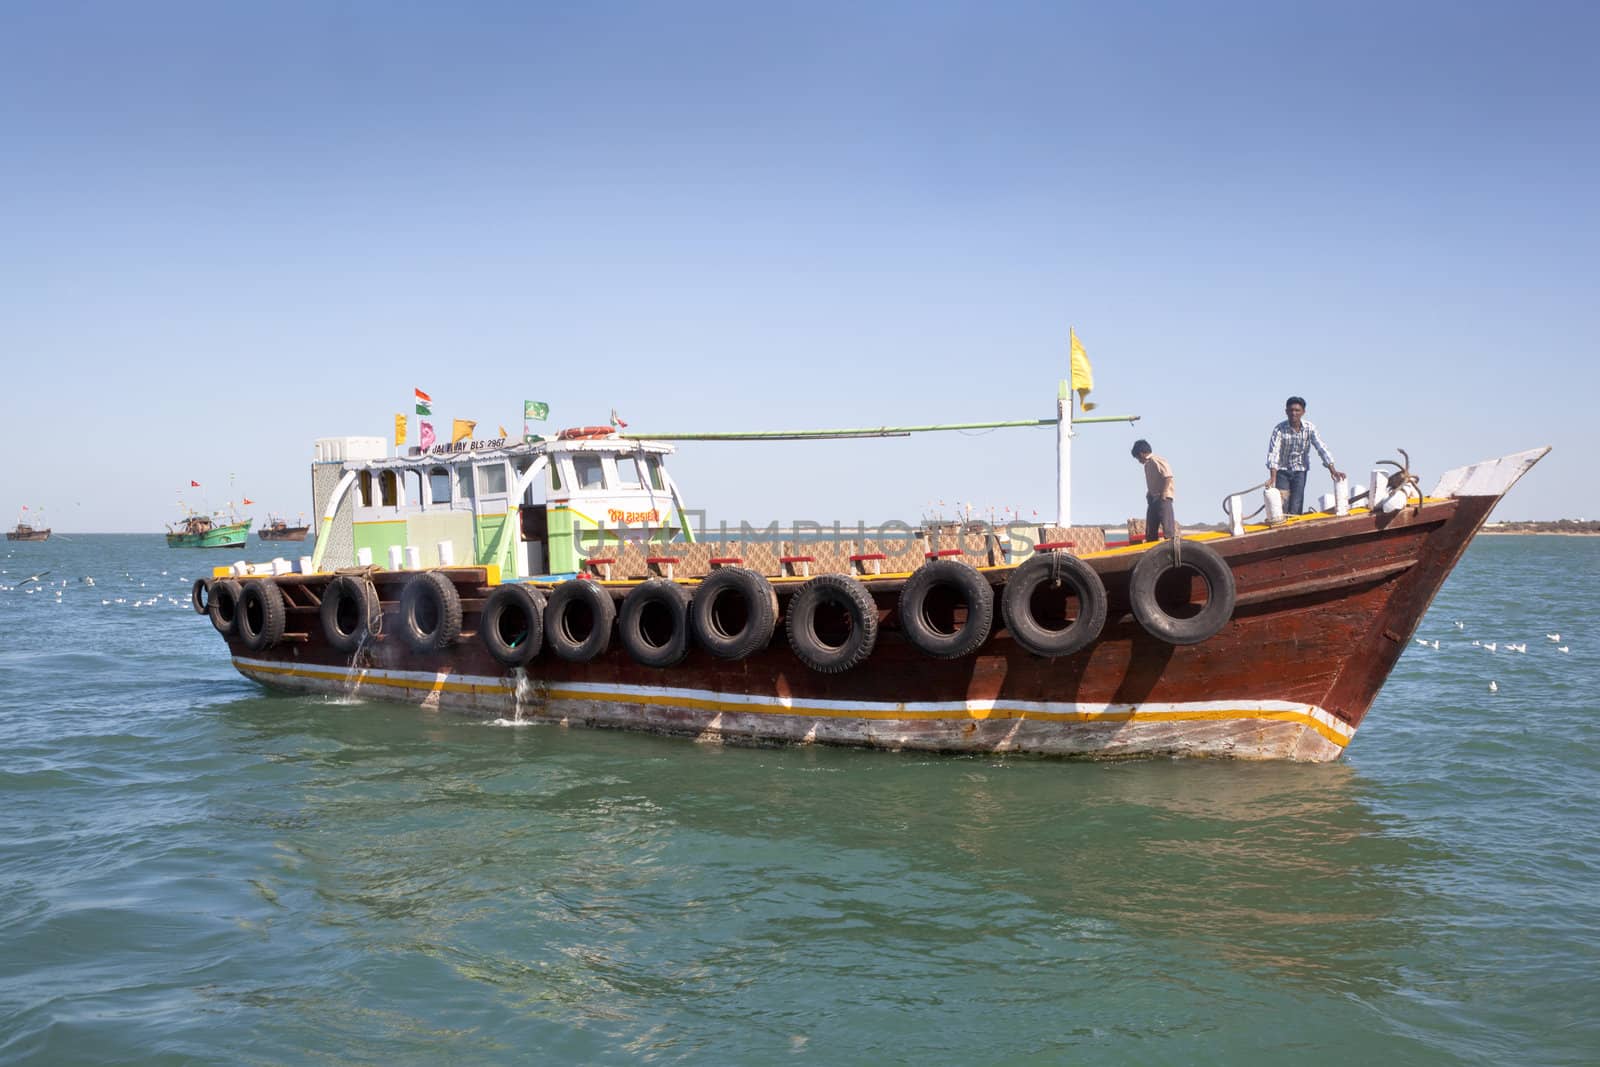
(1036, 604)
(734, 613)
(928, 604)
(1201, 560)
(512, 624)
(350, 612)
(580, 433)
(653, 624)
(200, 596)
(261, 615)
(844, 635)
(224, 607)
(430, 612)
(578, 620)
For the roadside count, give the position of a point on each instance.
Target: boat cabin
(530, 508)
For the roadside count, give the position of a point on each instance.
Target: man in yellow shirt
(1158, 518)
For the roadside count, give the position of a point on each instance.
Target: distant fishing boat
(1269, 641)
(277, 529)
(200, 531)
(24, 532)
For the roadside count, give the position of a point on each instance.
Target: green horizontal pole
(860, 431)
(1079, 420)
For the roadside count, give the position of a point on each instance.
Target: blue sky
(231, 229)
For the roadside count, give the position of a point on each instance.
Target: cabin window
(389, 489)
(492, 478)
(627, 473)
(414, 493)
(589, 472)
(653, 465)
(464, 483)
(439, 486)
(555, 475)
(364, 484)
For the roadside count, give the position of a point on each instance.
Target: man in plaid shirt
(1291, 443)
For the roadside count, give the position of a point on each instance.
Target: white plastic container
(304, 565)
(282, 566)
(447, 554)
(1274, 500)
(1380, 487)
(1341, 496)
(364, 557)
(240, 569)
(394, 557)
(1236, 515)
(413, 558)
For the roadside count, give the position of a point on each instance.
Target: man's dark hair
(1141, 447)
(1295, 400)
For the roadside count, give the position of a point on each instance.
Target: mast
(1064, 455)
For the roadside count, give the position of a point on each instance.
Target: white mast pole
(1064, 455)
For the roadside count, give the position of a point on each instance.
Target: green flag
(536, 410)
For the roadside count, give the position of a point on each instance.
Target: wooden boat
(1267, 643)
(201, 531)
(24, 532)
(277, 529)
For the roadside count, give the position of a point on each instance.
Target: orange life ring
(578, 433)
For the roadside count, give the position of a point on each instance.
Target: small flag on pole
(194, 483)
(537, 410)
(399, 430)
(503, 432)
(425, 434)
(247, 500)
(1082, 374)
(616, 420)
(424, 403)
(461, 429)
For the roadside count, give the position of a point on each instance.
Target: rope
(1249, 489)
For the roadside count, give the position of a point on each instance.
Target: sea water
(197, 870)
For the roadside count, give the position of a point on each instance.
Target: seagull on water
(1563, 648)
(1553, 637)
(1423, 641)
(1436, 646)
(1460, 625)
(1493, 688)
(1491, 646)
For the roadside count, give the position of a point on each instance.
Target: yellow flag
(399, 430)
(502, 431)
(1082, 374)
(461, 429)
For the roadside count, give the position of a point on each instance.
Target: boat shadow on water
(1283, 871)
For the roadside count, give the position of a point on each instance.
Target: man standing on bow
(1158, 493)
(1291, 443)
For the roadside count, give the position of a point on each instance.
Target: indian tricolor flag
(424, 403)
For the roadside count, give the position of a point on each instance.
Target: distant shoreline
(1558, 528)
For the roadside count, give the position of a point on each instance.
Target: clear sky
(228, 229)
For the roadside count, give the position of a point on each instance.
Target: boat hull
(1324, 609)
(290, 533)
(29, 535)
(236, 535)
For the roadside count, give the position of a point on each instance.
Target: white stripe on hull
(1243, 729)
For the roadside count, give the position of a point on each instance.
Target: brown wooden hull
(27, 535)
(1324, 610)
(287, 533)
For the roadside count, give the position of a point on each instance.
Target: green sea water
(196, 870)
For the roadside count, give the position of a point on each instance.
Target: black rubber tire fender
(838, 591)
(966, 583)
(1054, 569)
(261, 614)
(727, 597)
(224, 607)
(511, 625)
(560, 634)
(430, 612)
(667, 604)
(348, 598)
(200, 596)
(1212, 569)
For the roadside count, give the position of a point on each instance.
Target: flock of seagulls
(35, 584)
(1519, 647)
